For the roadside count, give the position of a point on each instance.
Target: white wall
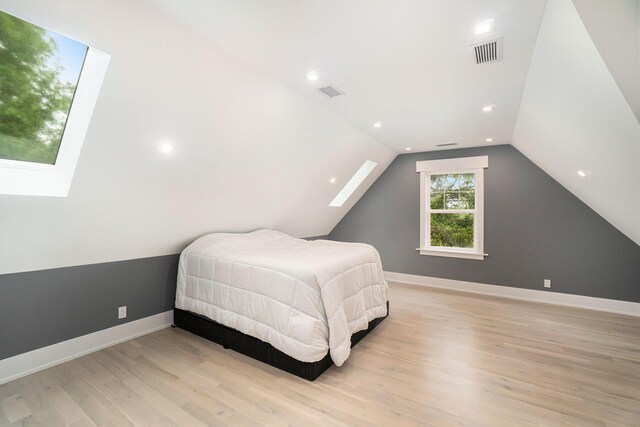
(249, 153)
(574, 116)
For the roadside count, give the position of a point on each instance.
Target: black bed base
(257, 349)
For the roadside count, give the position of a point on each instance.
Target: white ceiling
(408, 64)
(405, 63)
(614, 28)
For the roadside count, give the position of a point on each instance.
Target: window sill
(452, 253)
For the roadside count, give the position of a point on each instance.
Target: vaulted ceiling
(566, 94)
(256, 145)
(576, 115)
(408, 64)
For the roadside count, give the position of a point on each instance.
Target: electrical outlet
(122, 312)
(547, 283)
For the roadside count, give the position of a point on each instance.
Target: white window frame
(38, 179)
(427, 168)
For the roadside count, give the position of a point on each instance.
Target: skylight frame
(39, 179)
(356, 180)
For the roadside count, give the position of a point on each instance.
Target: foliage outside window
(452, 210)
(39, 73)
(49, 85)
(452, 207)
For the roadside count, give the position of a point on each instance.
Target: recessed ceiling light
(377, 124)
(165, 147)
(584, 174)
(485, 27)
(489, 139)
(487, 108)
(408, 149)
(313, 76)
(332, 180)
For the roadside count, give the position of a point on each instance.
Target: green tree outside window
(39, 71)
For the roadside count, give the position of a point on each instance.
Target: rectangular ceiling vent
(331, 91)
(448, 144)
(490, 51)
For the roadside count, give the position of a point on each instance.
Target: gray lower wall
(40, 308)
(535, 229)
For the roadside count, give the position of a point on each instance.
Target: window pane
(437, 201)
(468, 199)
(438, 182)
(39, 72)
(452, 181)
(460, 200)
(452, 230)
(467, 181)
(453, 200)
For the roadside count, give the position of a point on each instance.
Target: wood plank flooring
(441, 359)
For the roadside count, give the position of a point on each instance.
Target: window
(49, 84)
(355, 181)
(452, 207)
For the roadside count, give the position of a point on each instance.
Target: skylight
(49, 84)
(355, 181)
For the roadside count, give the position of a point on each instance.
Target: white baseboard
(43, 358)
(579, 301)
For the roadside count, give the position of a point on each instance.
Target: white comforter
(302, 297)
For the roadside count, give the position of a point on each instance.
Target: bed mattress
(303, 297)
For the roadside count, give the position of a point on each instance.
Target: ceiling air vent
(490, 51)
(448, 144)
(331, 91)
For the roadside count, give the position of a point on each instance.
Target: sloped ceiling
(249, 152)
(406, 63)
(614, 28)
(575, 117)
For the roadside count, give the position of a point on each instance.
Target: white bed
(303, 297)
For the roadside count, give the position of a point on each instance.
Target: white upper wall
(249, 152)
(574, 117)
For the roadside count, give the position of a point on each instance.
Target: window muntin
(39, 74)
(452, 207)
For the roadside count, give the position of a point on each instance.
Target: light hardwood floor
(441, 359)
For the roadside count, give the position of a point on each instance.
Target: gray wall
(40, 308)
(534, 230)
(45, 307)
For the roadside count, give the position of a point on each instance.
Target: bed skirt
(257, 349)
